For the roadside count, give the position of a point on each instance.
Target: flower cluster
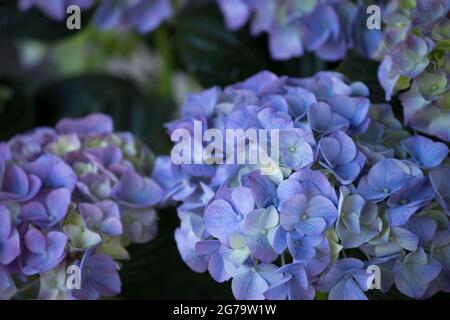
(72, 198)
(141, 15)
(350, 189)
(415, 56)
(329, 28)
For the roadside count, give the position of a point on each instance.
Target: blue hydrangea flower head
(285, 233)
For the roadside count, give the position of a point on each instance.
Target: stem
(283, 260)
(162, 43)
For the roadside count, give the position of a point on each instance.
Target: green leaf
(213, 54)
(357, 68)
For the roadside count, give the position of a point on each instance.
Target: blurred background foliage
(48, 72)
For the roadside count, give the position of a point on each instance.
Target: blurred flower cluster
(72, 196)
(351, 189)
(329, 28)
(141, 15)
(415, 56)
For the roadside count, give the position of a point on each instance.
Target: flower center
(292, 149)
(386, 190)
(263, 232)
(304, 217)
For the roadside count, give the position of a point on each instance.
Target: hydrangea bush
(351, 189)
(416, 58)
(72, 197)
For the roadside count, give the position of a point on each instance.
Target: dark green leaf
(214, 55)
(357, 68)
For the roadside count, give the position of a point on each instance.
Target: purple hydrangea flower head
(73, 196)
(278, 230)
(327, 28)
(412, 59)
